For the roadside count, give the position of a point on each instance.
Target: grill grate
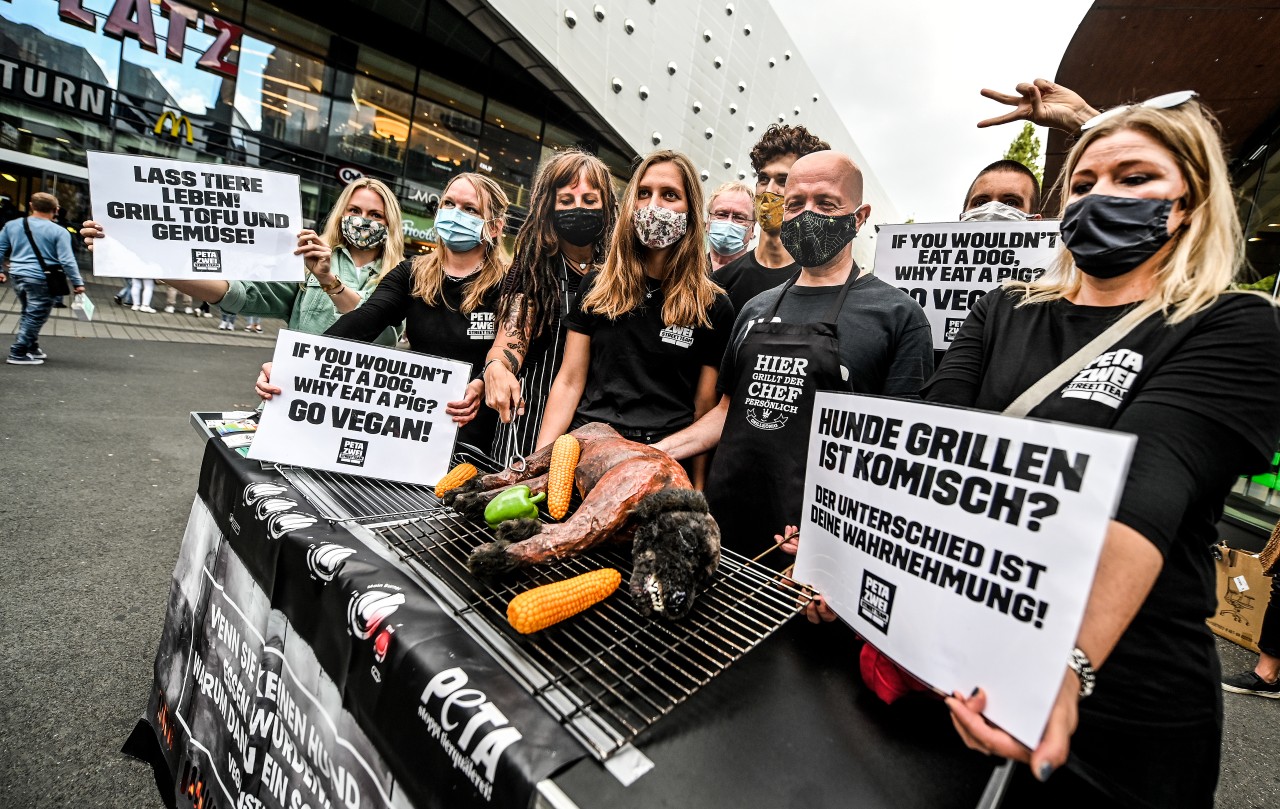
(606, 674)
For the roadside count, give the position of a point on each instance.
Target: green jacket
(306, 306)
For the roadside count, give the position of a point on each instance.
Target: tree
(1026, 150)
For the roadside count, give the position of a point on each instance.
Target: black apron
(756, 486)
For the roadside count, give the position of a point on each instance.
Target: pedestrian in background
(141, 290)
(31, 244)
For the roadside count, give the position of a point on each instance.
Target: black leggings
(1269, 635)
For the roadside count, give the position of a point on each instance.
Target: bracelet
(337, 282)
(488, 363)
(1079, 663)
(331, 291)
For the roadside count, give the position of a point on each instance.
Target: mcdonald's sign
(176, 122)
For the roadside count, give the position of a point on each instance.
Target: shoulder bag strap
(1056, 378)
(26, 225)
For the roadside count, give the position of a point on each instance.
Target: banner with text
(947, 266)
(360, 409)
(960, 543)
(176, 219)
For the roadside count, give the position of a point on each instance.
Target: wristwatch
(329, 288)
(1079, 663)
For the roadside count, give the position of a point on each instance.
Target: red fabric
(884, 677)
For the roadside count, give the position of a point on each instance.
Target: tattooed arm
(503, 362)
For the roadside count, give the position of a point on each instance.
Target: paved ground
(101, 468)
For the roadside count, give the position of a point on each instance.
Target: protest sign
(947, 266)
(360, 409)
(181, 220)
(962, 544)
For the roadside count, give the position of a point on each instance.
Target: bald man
(834, 327)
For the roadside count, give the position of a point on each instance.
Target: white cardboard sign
(182, 220)
(947, 266)
(960, 543)
(360, 409)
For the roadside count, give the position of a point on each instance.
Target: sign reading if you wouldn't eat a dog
(960, 543)
(360, 409)
(181, 220)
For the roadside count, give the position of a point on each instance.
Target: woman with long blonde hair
(361, 241)
(445, 298)
(650, 328)
(1134, 330)
(571, 214)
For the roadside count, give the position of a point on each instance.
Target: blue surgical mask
(727, 238)
(458, 230)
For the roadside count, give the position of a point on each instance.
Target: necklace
(465, 275)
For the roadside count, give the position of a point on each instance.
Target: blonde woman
(1149, 226)
(446, 298)
(361, 242)
(649, 328)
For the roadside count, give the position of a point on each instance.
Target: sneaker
(207, 314)
(134, 307)
(168, 310)
(24, 359)
(1245, 683)
(258, 329)
(37, 353)
(187, 311)
(248, 328)
(147, 309)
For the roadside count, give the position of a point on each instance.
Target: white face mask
(659, 227)
(994, 211)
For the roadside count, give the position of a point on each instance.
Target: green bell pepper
(513, 504)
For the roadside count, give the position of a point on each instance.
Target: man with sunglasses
(30, 244)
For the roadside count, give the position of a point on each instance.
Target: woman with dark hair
(1151, 243)
(650, 327)
(445, 298)
(571, 213)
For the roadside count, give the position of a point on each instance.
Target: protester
(649, 327)
(832, 327)
(360, 243)
(1042, 103)
(571, 213)
(1005, 191)
(446, 298)
(141, 291)
(731, 223)
(769, 264)
(1264, 679)
(1150, 226)
(30, 244)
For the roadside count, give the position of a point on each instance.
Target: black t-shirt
(885, 340)
(643, 374)
(442, 330)
(744, 278)
(1201, 396)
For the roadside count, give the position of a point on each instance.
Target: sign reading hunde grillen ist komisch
(960, 543)
(182, 220)
(360, 409)
(947, 266)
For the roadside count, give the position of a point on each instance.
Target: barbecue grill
(606, 674)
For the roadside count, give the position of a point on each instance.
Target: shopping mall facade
(409, 91)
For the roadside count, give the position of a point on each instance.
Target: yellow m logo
(176, 122)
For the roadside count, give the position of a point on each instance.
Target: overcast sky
(905, 78)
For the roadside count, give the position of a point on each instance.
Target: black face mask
(813, 239)
(1109, 236)
(579, 226)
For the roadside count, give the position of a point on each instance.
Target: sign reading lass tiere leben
(960, 543)
(360, 409)
(183, 220)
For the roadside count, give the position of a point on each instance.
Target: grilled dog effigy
(630, 492)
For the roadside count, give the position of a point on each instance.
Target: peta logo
(681, 336)
(876, 602)
(352, 452)
(368, 610)
(471, 729)
(206, 260)
(285, 522)
(256, 491)
(324, 561)
(1107, 379)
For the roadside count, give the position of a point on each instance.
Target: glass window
(512, 120)
(443, 142)
(511, 160)
(288, 29)
(450, 94)
(448, 28)
(229, 10)
(386, 69)
(370, 122)
(280, 95)
(1262, 232)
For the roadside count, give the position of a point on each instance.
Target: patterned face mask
(362, 232)
(769, 210)
(994, 211)
(659, 227)
(813, 239)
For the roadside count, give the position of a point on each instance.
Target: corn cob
(564, 460)
(457, 476)
(543, 606)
